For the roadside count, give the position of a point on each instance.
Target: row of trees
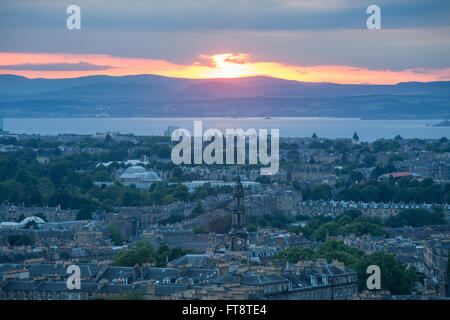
(319, 228)
(404, 190)
(350, 222)
(417, 218)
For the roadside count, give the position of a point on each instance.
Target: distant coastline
(445, 123)
(324, 127)
(432, 120)
(149, 96)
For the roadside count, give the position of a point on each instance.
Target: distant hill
(152, 95)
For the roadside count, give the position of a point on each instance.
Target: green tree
(20, 240)
(201, 229)
(395, 276)
(334, 249)
(57, 172)
(115, 235)
(220, 225)
(321, 192)
(140, 252)
(344, 220)
(85, 213)
(108, 139)
(293, 255)
(417, 218)
(370, 160)
(173, 218)
(198, 210)
(327, 229)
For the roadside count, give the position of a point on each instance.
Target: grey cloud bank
(304, 32)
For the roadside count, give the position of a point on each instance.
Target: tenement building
(437, 266)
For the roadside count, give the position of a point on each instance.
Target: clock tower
(238, 234)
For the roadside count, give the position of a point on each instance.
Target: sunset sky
(304, 40)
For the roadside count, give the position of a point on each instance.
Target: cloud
(419, 71)
(205, 60)
(213, 61)
(80, 66)
(237, 59)
(397, 49)
(176, 15)
(297, 32)
(225, 65)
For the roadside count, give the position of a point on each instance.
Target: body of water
(368, 130)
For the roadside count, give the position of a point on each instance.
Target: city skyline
(190, 153)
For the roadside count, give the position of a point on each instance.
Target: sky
(304, 40)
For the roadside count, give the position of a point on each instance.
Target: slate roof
(159, 274)
(113, 273)
(87, 270)
(168, 289)
(19, 285)
(61, 286)
(251, 279)
(11, 267)
(197, 260)
(407, 259)
(301, 282)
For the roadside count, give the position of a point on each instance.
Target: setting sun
(228, 65)
(219, 65)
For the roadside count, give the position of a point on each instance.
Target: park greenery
(404, 190)
(417, 218)
(68, 181)
(352, 221)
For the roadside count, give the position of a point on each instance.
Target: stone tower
(238, 234)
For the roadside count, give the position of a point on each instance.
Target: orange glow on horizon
(223, 65)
